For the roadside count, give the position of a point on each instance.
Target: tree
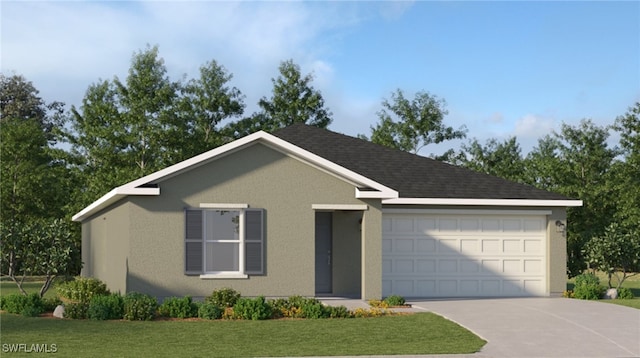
(577, 163)
(616, 252)
(502, 159)
(206, 103)
(410, 125)
(33, 179)
(627, 170)
(294, 100)
(126, 129)
(44, 247)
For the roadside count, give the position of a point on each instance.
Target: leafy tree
(206, 103)
(627, 171)
(35, 184)
(616, 252)
(502, 159)
(128, 128)
(410, 125)
(577, 163)
(294, 100)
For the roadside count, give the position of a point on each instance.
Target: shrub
(378, 303)
(28, 306)
(77, 310)
(252, 308)
(587, 287)
(224, 297)
(567, 294)
(81, 289)
(139, 307)
(338, 312)
(395, 300)
(229, 313)
(50, 304)
(14, 303)
(371, 312)
(2, 302)
(624, 293)
(313, 308)
(209, 311)
(279, 307)
(178, 307)
(33, 306)
(106, 307)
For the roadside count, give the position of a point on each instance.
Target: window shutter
(254, 241)
(193, 242)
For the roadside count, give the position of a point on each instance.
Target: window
(221, 242)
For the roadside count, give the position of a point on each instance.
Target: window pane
(222, 256)
(223, 225)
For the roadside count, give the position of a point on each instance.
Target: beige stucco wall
(105, 246)
(557, 252)
(261, 177)
(372, 251)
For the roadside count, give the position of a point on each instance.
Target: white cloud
(533, 126)
(496, 117)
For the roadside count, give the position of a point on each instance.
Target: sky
(511, 68)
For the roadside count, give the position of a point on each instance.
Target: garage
(429, 253)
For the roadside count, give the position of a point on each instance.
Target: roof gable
(365, 187)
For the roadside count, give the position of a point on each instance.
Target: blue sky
(505, 69)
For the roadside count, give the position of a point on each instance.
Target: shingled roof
(413, 176)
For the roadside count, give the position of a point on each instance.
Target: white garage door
(428, 255)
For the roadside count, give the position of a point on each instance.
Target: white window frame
(241, 243)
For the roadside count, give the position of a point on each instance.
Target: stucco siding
(557, 251)
(105, 246)
(258, 176)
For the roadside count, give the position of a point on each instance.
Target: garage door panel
(463, 256)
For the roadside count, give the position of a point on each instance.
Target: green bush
(51, 303)
(587, 287)
(178, 307)
(252, 308)
(395, 300)
(209, 311)
(224, 297)
(14, 303)
(81, 289)
(313, 308)
(106, 307)
(28, 306)
(625, 293)
(77, 310)
(338, 312)
(2, 302)
(139, 307)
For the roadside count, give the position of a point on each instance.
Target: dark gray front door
(323, 252)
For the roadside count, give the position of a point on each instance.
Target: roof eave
(483, 202)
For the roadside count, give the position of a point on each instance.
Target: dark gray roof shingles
(413, 176)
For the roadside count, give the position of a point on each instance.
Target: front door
(323, 252)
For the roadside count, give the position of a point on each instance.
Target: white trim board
(481, 202)
(356, 207)
(466, 212)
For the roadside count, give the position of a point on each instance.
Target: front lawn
(420, 333)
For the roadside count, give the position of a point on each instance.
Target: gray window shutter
(193, 242)
(254, 241)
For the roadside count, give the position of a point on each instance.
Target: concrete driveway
(544, 327)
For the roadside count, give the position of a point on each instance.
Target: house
(311, 212)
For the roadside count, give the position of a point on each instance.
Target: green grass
(632, 283)
(420, 333)
(8, 287)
